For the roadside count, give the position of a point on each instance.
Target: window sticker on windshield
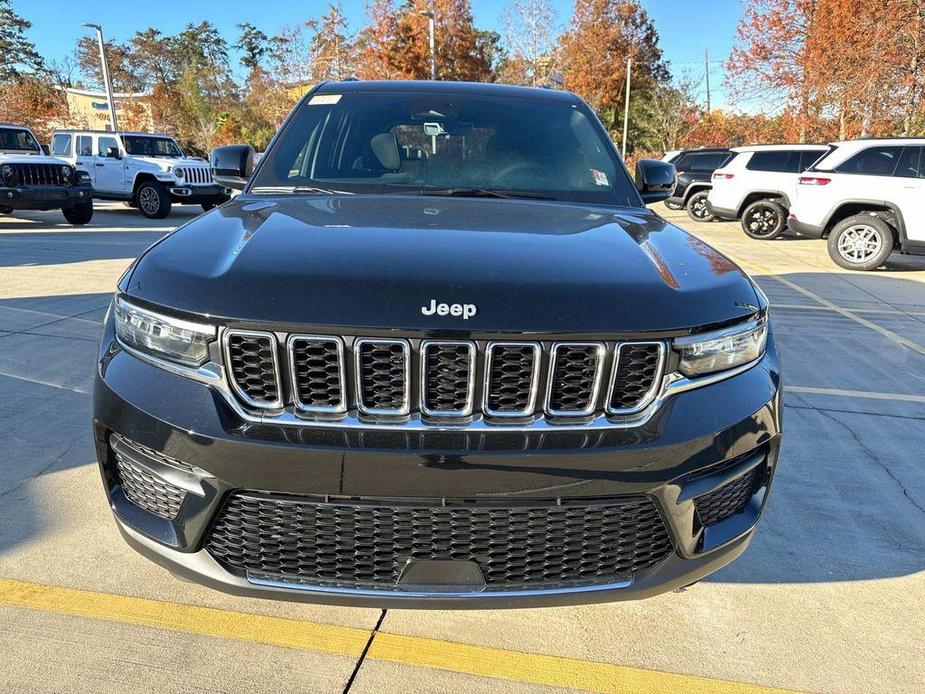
(600, 178)
(324, 99)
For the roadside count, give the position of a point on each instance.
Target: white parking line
(868, 394)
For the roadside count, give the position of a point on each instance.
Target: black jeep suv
(438, 353)
(695, 169)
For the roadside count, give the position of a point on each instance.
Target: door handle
(99, 165)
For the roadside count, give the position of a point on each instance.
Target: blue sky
(686, 28)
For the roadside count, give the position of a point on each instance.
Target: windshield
(18, 139)
(147, 146)
(446, 144)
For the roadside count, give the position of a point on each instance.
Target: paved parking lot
(828, 598)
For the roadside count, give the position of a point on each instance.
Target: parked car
(867, 198)
(695, 168)
(437, 353)
(758, 184)
(29, 180)
(145, 170)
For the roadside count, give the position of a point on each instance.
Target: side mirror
(654, 179)
(45, 150)
(113, 153)
(232, 165)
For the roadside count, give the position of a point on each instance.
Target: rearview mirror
(232, 165)
(654, 179)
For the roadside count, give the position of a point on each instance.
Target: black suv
(438, 353)
(695, 169)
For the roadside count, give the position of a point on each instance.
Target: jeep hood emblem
(466, 311)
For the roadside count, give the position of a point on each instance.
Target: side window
(61, 145)
(103, 145)
(809, 157)
(706, 161)
(682, 162)
(774, 160)
(910, 163)
(873, 161)
(84, 146)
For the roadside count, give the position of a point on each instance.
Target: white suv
(867, 197)
(146, 170)
(758, 184)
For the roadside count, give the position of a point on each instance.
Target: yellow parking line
(207, 621)
(347, 641)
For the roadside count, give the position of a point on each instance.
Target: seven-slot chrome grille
(196, 175)
(508, 381)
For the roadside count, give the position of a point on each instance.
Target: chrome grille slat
(383, 376)
(638, 368)
(447, 378)
(196, 175)
(512, 372)
(575, 370)
(316, 366)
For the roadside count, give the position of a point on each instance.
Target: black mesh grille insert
(146, 490)
(638, 366)
(252, 365)
(369, 542)
(447, 377)
(383, 376)
(317, 371)
(574, 374)
(511, 378)
(731, 498)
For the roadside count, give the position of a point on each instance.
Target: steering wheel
(518, 167)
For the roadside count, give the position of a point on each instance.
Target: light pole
(106, 82)
(433, 50)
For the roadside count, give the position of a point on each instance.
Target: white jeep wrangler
(146, 170)
(29, 180)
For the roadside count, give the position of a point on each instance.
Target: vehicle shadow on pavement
(848, 499)
(56, 248)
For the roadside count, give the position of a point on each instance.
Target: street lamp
(106, 82)
(433, 56)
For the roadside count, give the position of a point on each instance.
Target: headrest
(385, 147)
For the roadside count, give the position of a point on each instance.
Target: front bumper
(45, 197)
(675, 457)
(198, 195)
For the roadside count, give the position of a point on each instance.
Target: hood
(12, 157)
(166, 163)
(376, 261)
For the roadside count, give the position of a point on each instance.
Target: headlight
(67, 172)
(8, 175)
(178, 173)
(723, 349)
(162, 336)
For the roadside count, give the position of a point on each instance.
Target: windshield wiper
(299, 189)
(484, 193)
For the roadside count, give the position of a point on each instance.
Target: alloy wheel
(148, 200)
(859, 243)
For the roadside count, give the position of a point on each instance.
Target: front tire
(153, 201)
(764, 220)
(79, 214)
(698, 209)
(861, 242)
(6, 210)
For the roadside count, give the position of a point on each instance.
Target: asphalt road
(828, 598)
